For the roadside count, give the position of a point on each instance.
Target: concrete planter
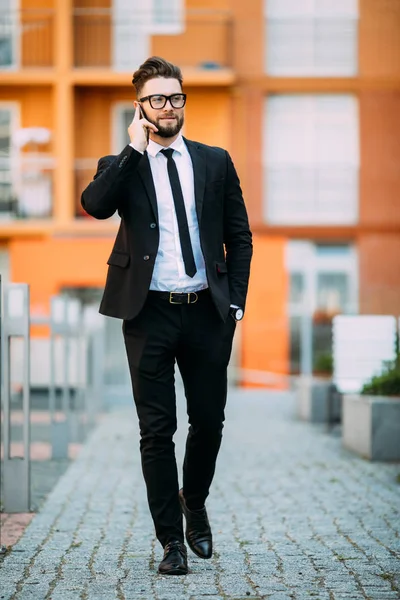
(371, 426)
(317, 401)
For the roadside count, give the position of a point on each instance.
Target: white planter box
(371, 426)
(316, 401)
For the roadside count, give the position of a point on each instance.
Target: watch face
(239, 314)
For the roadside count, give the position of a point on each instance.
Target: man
(178, 277)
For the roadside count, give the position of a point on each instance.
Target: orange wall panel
(248, 37)
(208, 117)
(92, 122)
(265, 328)
(208, 4)
(379, 260)
(36, 4)
(379, 38)
(49, 264)
(380, 157)
(205, 39)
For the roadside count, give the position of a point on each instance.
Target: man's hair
(154, 67)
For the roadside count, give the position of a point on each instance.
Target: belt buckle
(195, 299)
(171, 298)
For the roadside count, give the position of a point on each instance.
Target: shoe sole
(174, 572)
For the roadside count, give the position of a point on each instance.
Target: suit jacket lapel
(144, 170)
(198, 157)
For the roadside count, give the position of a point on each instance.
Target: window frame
(171, 28)
(12, 160)
(311, 16)
(301, 256)
(308, 121)
(15, 37)
(117, 135)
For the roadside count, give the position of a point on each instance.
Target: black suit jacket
(124, 183)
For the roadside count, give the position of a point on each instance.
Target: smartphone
(142, 116)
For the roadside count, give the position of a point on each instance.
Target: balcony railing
(103, 40)
(26, 187)
(26, 39)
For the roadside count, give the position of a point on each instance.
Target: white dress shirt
(169, 270)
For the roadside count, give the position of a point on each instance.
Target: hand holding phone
(139, 129)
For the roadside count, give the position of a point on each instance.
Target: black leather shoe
(198, 530)
(175, 559)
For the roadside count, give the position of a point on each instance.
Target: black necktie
(186, 246)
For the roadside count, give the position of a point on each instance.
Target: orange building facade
(314, 132)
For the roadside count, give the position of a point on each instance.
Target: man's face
(168, 120)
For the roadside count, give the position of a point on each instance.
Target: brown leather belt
(179, 297)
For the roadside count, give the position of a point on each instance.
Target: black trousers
(196, 338)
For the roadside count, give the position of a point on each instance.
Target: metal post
(94, 327)
(16, 469)
(306, 344)
(59, 330)
(74, 335)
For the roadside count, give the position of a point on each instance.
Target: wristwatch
(236, 313)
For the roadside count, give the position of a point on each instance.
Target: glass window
(296, 288)
(5, 132)
(167, 16)
(8, 26)
(6, 195)
(326, 275)
(332, 292)
(122, 118)
(311, 159)
(131, 41)
(311, 37)
(135, 22)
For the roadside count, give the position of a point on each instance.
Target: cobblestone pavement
(294, 516)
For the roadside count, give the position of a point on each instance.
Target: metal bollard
(94, 327)
(60, 433)
(77, 414)
(16, 323)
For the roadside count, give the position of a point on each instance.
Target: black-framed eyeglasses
(159, 100)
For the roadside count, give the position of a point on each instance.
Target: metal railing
(26, 39)
(26, 187)
(103, 39)
(70, 365)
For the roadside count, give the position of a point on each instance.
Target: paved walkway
(294, 517)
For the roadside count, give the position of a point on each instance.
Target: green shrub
(386, 384)
(323, 363)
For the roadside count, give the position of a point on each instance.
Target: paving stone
(294, 516)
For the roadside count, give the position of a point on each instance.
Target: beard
(167, 129)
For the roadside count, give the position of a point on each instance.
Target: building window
(8, 124)
(311, 37)
(167, 17)
(135, 22)
(130, 35)
(311, 160)
(8, 34)
(323, 282)
(122, 115)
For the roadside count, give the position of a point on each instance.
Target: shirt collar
(153, 148)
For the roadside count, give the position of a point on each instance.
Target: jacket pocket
(221, 267)
(119, 259)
